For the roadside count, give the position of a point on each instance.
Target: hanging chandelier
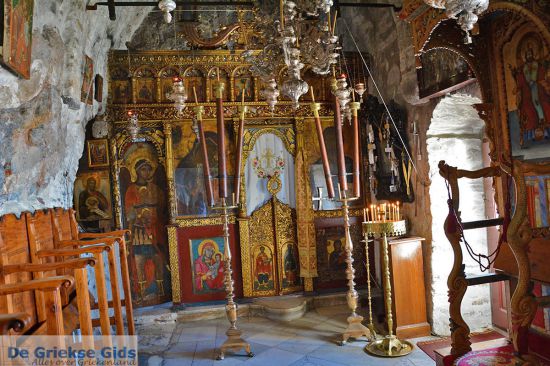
(166, 6)
(464, 11)
(133, 127)
(292, 42)
(178, 95)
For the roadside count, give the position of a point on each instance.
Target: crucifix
(269, 158)
(319, 198)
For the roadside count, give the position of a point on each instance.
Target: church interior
(309, 182)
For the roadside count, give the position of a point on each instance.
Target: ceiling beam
(112, 12)
(113, 3)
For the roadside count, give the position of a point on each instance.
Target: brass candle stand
(390, 345)
(234, 339)
(369, 293)
(355, 328)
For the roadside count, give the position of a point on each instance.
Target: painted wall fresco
(527, 76)
(144, 203)
(188, 163)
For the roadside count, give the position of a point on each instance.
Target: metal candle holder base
(234, 341)
(390, 345)
(355, 328)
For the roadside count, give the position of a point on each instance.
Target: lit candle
(398, 217)
(364, 215)
(368, 218)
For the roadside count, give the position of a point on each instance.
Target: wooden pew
(63, 238)
(50, 288)
(42, 250)
(16, 267)
(120, 236)
(14, 322)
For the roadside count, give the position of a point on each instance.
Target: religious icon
(243, 85)
(98, 153)
(92, 195)
(290, 265)
(121, 91)
(528, 93)
(331, 254)
(145, 90)
(189, 174)
(263, 268)
(337, 255)
(86, 93)
(532, 90)
(17, 37)
(144, 202)
(537, 203)
(98, 88)
(207, 265)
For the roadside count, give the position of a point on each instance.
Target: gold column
(158, 96)
(170, 172)
(174, 264)
(115, 169)
(134, 90)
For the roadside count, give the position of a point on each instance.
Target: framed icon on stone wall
(92, 196)
(98, 153)
(17, 36)
(87, 90)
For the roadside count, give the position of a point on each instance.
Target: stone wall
(42, 119)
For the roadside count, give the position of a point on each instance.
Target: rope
(479, 258)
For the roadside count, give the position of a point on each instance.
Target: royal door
(267, 219)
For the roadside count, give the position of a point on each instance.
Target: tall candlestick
(206, 166)
(354, 106)
(340, 146)
(222, 169)
(324, 157)
(239, 157)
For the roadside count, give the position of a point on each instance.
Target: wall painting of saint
(207, 265)
(526, 69)
(17, 37)
(92, 195)
(263, 268)
(188, 161)
(331, 265)
(87, 90)
(144, 202)
(291, 273)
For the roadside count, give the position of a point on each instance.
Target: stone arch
(456, 135)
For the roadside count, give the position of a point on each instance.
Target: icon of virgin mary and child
(208, 268)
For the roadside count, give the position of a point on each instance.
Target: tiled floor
(310, 340)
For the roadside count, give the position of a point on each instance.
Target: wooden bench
(29, 252)
(120, 237)
(15, 322)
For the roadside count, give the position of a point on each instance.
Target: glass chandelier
(166, 6)
(133, 127)
(292, 42)
(178, 95)
(464, 11)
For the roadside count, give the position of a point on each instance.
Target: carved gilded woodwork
(170, 173)
(174, 264)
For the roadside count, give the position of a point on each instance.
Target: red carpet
(429, 347)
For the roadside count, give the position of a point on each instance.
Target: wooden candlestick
(222, 169)
(239, 157)
(354, 106)
(340, 146)
(322, 147)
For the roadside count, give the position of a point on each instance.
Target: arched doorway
(456, 135)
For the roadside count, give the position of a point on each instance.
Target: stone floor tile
(271, 337)
(275, 357)
(199, 333)
(312, 361)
